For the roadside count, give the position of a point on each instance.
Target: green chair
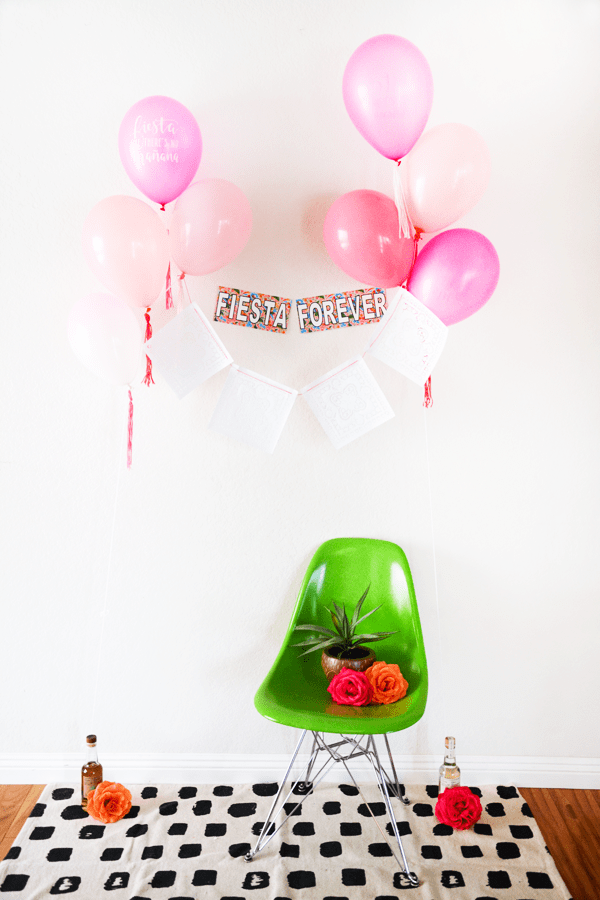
(295, 690)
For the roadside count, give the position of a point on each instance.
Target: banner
(359, 307)
(235, 307)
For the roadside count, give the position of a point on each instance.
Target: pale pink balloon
(444, 175)
(210, 226)
(106, 337)
(126, 245)
(455, 274)
(160, 147)
(388, 92)
(361, 236)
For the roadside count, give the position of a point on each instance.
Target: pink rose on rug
(109, 802)
(458, 807)
(350, 688)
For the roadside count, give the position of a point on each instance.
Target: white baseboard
(202, 768)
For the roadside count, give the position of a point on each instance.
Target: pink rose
(350, 688)
(458, 807)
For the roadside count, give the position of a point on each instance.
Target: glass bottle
(91, 771)
(449, 771)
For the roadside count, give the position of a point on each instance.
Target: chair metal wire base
(322, 757)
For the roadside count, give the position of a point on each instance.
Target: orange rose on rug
(387, 681)
(109, 802)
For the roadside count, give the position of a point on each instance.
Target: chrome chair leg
(306, 783)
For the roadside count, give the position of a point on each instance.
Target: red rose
(350, 688)
(458, 807)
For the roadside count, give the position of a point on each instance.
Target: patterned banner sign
(235, 307)
(361, 307)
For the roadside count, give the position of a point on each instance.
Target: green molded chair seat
(295, 690)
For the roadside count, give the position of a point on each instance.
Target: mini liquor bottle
(449, 771)
(91, 772)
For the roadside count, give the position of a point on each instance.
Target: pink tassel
(168, 290)
(148, 379)
(148, 325)
(428, 399)
(130, 431)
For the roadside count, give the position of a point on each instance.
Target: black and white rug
(188, 843)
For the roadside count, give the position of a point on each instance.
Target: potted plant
(342, 647)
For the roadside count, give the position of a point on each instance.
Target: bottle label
(90, 783)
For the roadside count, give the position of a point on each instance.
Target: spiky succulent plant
(344, 637)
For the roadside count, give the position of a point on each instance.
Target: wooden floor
(569, 821)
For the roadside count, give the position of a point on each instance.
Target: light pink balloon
(388, 92)
(361, 236)
(106, 337)
(444, 175)
(126, 245)
(160, 147)
(210, 225)
(455, 274)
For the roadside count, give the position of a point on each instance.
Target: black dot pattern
(191, 840)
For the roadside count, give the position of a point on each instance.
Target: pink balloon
(455, 274)
(210, 225)
(361, 236)
(388, 92)
(160, 147)
(106, 337)
(444, 175)
(126, 245)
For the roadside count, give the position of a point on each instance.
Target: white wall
(211, 538)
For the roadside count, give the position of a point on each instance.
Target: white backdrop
(197, 553)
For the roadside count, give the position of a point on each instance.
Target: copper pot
(363, 658)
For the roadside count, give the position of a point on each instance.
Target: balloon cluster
(388, 93)
(128, 247)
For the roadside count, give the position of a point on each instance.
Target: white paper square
(348, 402)
(187, 351)
(252, 409)
(411, 339)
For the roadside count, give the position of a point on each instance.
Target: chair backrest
(294, 692)
(340, 571)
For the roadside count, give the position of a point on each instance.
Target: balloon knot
(418, 233)
(162, 207)
(182, 276)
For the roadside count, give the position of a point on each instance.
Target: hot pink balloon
(361, 236)
(210, 225)
(126, 245)
(160, 147)
(388, 92)
(455, 274)
(106, 337)
(444, 175)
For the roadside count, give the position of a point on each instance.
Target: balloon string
(405, 227)
(148, 325)
(443, 694)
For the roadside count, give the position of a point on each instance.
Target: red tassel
(130, 431)
(148, 325)
(168, 291)
(148, 379)
(428, 399)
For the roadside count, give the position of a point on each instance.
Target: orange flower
(387, 682)
(109, 802)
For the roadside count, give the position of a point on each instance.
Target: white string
(107, 583)
(435, 578)
(405, 227)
